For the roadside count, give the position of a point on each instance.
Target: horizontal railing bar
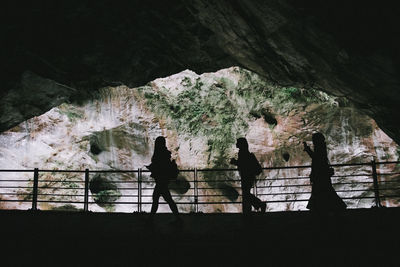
(114, 171)
(11, 170)
(180, 203)
(93, 195)
(352, 183)
(236, 187)
(390, 188)
(191, 203)
(15, 180)
(64, 188)
(206, 170)
(366, 197)
(277, 179)
(309, 192)
(15, 200)
(77, 181)
(287, 193)
(210, 170)
(283, 194)
(183, 170)
(133, 188)
(386, 174)
(387, 162)
(351, 175)
(60, 195)
(287, 167)
(201, 195)
(20, 187)
(274, 186)
(164, 203)
(190, 181)
(390, 196)
(73, 171)
(16, 194)
(60, 201)
(356, 190)
(217, 181)
(60, 181)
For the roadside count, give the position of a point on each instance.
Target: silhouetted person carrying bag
(323, 196)
(249, 168)
(163, 170)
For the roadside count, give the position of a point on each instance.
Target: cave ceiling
(57, 51)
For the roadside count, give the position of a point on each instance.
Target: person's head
(242, 144)
(318, 139)
(160, 143)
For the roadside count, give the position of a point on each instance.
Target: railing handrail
(201, 170)
(372, 164)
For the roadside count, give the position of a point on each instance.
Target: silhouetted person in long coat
(247, 166)
(323, 196)
(160, 170)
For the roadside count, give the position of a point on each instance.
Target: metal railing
(201, 190)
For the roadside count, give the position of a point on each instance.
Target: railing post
(195, 192)
(139, 207)
(255, 187)
(376, 185)
(86, 196)
(35, 188)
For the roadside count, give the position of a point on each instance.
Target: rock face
(34, 96)
(201, 116)
(346, 49)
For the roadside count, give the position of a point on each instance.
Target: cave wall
(346, 49)
(201, 117)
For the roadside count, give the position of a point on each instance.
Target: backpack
(172, 171)
(255, 165)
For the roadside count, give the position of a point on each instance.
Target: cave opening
(201, 115)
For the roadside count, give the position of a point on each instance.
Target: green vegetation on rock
(70, 111)
(105, 191)
(220, 108)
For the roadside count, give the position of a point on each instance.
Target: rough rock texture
(201, 116)
(358, 60)
(345, 48)
(33, 96)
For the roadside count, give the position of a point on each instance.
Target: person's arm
(308, 149)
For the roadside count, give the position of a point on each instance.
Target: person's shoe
(263, 207)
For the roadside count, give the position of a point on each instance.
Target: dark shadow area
(229, 191)
(362, 237)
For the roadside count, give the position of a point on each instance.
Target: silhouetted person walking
(162, 169)
(248, 167)
(323, 196)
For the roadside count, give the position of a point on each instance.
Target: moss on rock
(104, 190)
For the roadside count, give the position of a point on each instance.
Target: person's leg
(156, 198)
(257, 203)
(246, 202)
(168, 198)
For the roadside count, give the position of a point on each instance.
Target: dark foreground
(355, 238)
